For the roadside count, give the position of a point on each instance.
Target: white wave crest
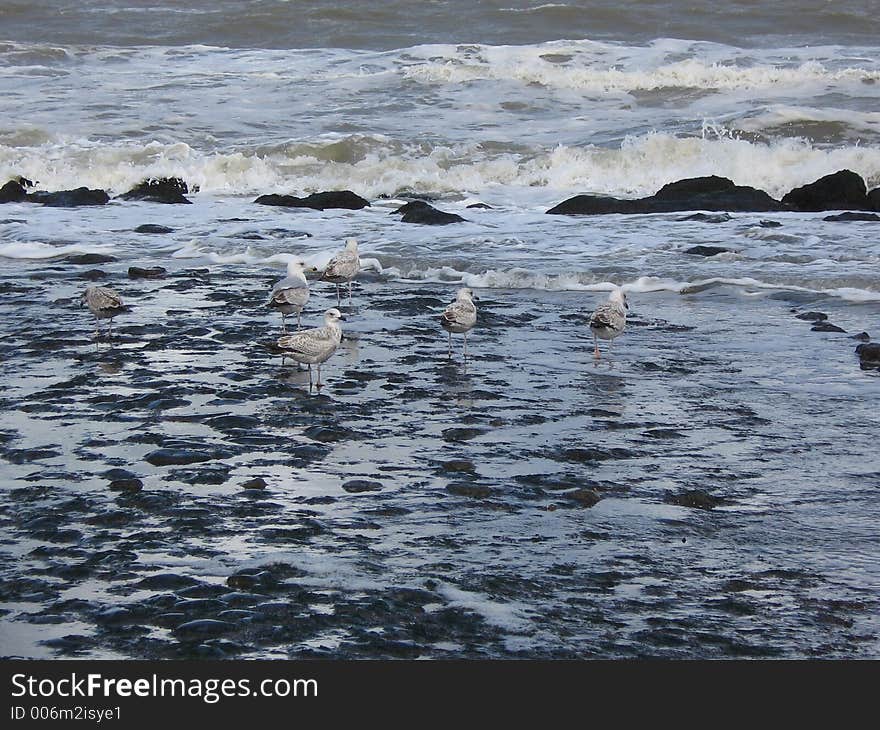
(376, 166)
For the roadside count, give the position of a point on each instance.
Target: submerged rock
(344, 199)
(826, 327)
(90, 259)
(812, 316)
(583, 496)
(869, 354)
(155, 272)
(169, 190)
(361, 485)
(695, 498)
(153, 228)
(706, 250)
(255, 483)
(70, 198)
(418, 211)
(166, 457)
(129, 486)
(850, 216)
(710, 193)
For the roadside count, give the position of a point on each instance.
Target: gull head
(351, 244)
(300, 265)
(618, 296)
(331, 316)
(466, 293)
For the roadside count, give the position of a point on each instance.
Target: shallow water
(473, 535)
(708, 490)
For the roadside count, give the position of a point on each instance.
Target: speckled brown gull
(609, 319)
(104, 303)
(343, 267)
(313, 346)
(460, 316)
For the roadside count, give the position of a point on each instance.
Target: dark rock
(812, 316)
(842, 190)
(462, 434)
(233, 423)
(153, 228)
(711, 193)
(361, 485)
(583, 496)
(707, 218)
(166, 581)
(850, 216)
(255, 483)
(166, 457)
(155, 272)
(129, 486)
(344, 199)
(863, 336)
(169, 190)
(706, 250)
(769, 224)
(476, 491)
(117, 473)
(93, 275)
(826, 327)
(13, 192)
(70, 198)
(696, 498)
(480, 206)
(458, 465)
(203, 627)
(873, 199)
(869, 353)
(420, 212)
(114, 615)
(89, 259)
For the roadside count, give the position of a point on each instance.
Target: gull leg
(110, 328)
(283, 323)
(338, 299)
(310, 376)
(596, 342)
(298, 318)
(450, 345)
(465, 345)
(319, 384)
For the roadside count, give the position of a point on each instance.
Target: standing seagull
(291, 293)
(460, 316)
(343, 267)
(314, 346)
(609, 319)
(104, 303)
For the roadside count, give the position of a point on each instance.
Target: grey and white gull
(290, 295)
(313, 346)
(460, 316)
(343, 267)
(104, 303)
(609, 319)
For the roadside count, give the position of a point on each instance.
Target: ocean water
(474, 542)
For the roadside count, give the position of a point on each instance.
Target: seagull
(460, 316)
(104, 303)
(313, 346)
(291, 293)
(609, 319)
(343, 267)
